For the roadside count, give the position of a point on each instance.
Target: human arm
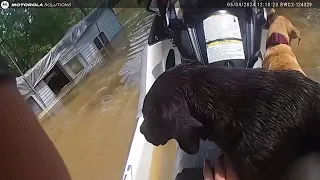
(26, 152)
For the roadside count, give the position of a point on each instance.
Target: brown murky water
(92, 127)
(93, 130)
(307, 21)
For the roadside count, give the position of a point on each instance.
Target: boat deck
(190, 166)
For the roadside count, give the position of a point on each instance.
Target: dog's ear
(294, 33)
(187, 123)
(187, 134)
(271, 17)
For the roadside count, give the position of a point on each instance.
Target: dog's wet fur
(262, 120)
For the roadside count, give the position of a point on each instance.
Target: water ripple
(130, 72)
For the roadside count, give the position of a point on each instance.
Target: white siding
(46, 94)
(87, 36)
(68, 54)
(86, 46)
(109, 24)
(90, 52)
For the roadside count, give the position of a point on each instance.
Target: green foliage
(142, 2)
(29, 33)
(113, 3)
(130, 4)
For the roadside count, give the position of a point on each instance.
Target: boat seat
(190, 166)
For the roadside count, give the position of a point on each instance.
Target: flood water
(92, 127)
(307, 21)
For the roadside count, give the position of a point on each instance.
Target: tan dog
(279, 55)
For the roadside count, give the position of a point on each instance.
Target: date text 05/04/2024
(269, 4)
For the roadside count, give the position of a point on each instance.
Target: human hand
(222, 170)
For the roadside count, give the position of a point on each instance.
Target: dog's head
(167, 116)
(282, 25)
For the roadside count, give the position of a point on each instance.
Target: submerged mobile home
(99, 36)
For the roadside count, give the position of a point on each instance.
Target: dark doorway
(56, 79)
(103, 44)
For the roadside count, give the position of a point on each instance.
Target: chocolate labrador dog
(262, 120)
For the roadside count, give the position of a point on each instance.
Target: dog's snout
(143, 128)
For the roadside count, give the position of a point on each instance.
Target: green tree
(29, 33)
